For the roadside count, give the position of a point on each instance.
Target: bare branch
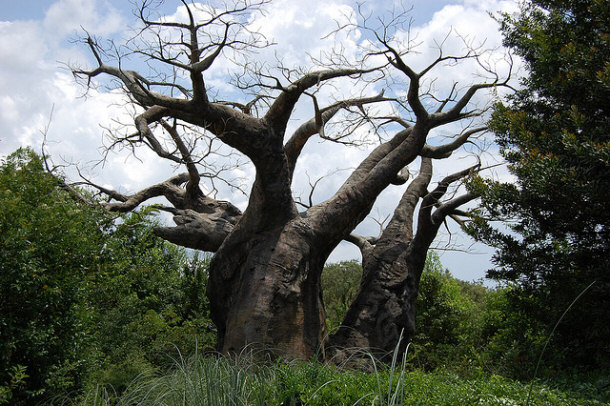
(445, 151)
(429, 221)
(280, 110)
(193, 183)
(295, 144)
(312, 189)
(413, 98)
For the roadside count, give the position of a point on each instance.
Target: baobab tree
(264, 284)
(382, 316)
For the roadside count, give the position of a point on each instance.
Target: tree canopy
(554, 135)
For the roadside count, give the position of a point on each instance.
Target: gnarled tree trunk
(265, 293)
(265, 278)
(382, 316)
(264, 285)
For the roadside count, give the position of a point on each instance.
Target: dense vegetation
(104, 311)
(84, 297)
(90, 303)
(554, 133)
(208, 381)
(95, 309)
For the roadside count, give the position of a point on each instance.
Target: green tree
(449, 316)
(47, 246)
(148, 304)
(85, 297)
(554, 135)
(339, 287)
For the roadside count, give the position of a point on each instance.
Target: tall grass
(203, 381)
(233, 382)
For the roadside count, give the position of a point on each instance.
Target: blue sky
(23, 10)
(36, 44)
(35, 9)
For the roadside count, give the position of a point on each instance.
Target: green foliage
(85, 298)
(449, 316)
(340, 283)
(17, 378)
(147, 301)
(554, 134)
(219, 381)
(48, 245)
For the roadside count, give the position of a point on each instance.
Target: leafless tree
(382, 315)
(264, 285)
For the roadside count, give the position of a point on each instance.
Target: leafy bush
(149, 305)
(449, 316)
(84, 297)
(48, 246)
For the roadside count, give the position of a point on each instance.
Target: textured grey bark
(264, 285)
(382, 316)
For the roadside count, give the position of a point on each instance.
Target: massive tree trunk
(265, 278)
(383, 314)
(384, 308)
(265, 294)
(264, 286)
(382, 317)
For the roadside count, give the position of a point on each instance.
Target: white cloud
(21, 46)
(68, 16)
(32, 82)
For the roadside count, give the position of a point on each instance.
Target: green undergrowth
(221, 381)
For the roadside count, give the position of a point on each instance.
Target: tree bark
(265, 294)
(264, 285)
(384, 308)
(382, 317)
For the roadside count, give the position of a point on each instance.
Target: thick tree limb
(429, 220)
(448, 208)
(401, 224)
(369, 163)
(281, 109)
(363, 243)
(197, 230)
(315, 125)
(445, 150)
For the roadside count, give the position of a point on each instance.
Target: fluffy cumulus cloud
(39, 93)
(34, 81)
(66, 16)
(23, 74)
